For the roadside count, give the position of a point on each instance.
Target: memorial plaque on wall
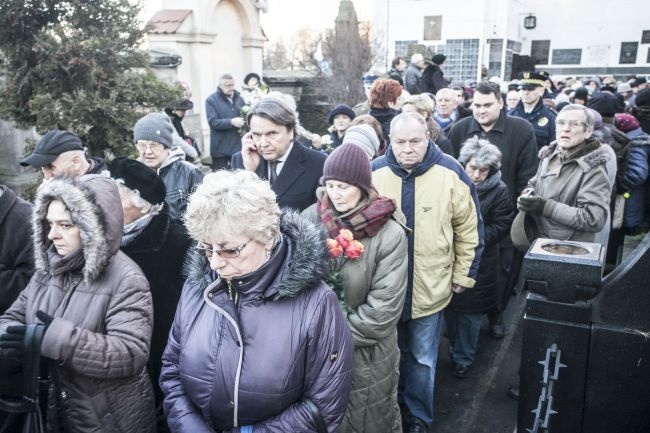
(628, 52)
(539, 51)
(645, 37)
(432, 28)
(569, 56)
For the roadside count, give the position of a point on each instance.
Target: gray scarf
(133, 230)
(489, 183)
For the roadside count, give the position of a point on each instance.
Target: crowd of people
(305, 282)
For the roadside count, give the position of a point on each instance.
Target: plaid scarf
(365, 220)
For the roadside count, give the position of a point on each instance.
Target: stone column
(12, 149)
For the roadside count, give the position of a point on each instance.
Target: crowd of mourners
(303, 282)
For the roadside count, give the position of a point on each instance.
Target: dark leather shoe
(497, 330)
(513, 392)
(417, 426)
(461, 371)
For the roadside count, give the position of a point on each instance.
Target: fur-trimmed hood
(305, 264)
(95, 208)
(591, 155)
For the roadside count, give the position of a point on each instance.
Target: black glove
(532, 205)
(45, 318)
(13, 338)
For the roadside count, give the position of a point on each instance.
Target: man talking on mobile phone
(269, 150)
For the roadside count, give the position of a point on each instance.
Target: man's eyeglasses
(572, 123)
(226, 253)
(152, 145)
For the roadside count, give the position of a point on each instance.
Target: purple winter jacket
(253, 361)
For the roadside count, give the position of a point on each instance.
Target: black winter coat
(384, 116)
(542, 118)
(160, 252)
(432, 79)
(498, 213)
(16, 257)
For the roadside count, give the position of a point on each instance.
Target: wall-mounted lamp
(530, 22)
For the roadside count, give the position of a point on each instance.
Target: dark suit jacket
(297, 182)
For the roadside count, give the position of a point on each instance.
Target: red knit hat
(348, 163)
(625, 122)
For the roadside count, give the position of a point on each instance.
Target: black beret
(642, 99)
(251, 75)
(606, 104)
(439, 59)
(340, 109)
(138, 176)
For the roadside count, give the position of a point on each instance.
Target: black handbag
(316, 417)
(23, 411)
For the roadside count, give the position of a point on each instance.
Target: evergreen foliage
(77, 65)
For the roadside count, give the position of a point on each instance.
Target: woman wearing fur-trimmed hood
(258, 342)
(95, 303)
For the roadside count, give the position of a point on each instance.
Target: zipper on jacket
(233, 294)
(67, 297)
(207, 298)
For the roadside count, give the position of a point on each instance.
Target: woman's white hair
(230, 203)
(142, 204)
(485, 154)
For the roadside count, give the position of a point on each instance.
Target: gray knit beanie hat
(154, 127)
(364, 136)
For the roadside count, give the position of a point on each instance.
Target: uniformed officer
(532, 108)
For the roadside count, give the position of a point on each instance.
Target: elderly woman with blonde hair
(424, 104)
(258, 342)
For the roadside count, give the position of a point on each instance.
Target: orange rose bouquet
(341, 249)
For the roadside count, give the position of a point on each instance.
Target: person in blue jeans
(441, 207)
(463, 316)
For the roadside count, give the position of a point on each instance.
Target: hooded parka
(250, 350)
(102, 311)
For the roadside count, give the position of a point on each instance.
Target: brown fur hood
(95, 208)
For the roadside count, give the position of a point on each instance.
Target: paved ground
(479, 404)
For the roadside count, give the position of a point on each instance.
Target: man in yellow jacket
(441, 207)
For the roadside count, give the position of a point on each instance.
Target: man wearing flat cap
(153, 136)
(62, 153)
(532, 108)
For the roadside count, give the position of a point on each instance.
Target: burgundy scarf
(365, 222)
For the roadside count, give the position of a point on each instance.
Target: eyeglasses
(226, 253)
(561, 123)
(152, 145)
